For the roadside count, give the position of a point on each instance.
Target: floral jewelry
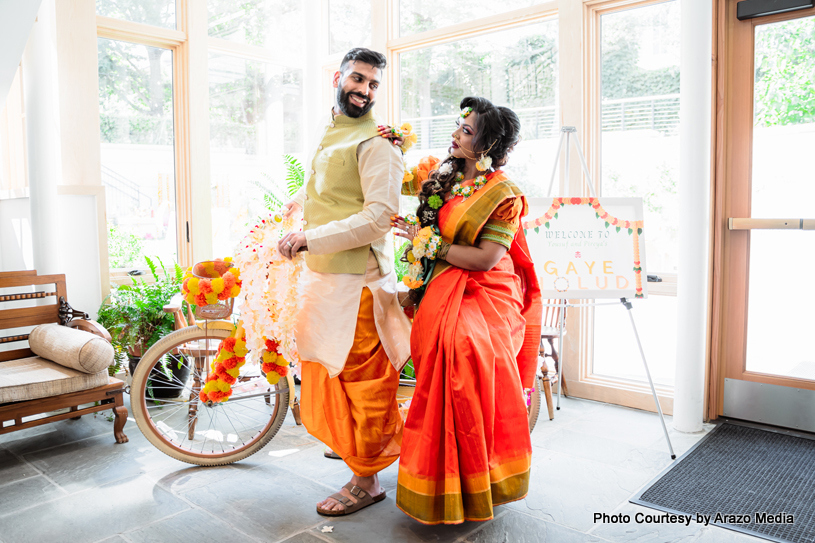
(469, 190)
(412, 219)
(435, 201)
(466, 112)
(446, 169)
(426, 245)
(484, 163)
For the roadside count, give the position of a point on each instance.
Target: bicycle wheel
(172, 418)
(534, 407)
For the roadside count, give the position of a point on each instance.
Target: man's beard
(350, 109)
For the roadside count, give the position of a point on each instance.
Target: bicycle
(218, 433)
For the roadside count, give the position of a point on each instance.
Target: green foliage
(123, 247)
(785, 73)
(400, 267)
(273, 195)
(134, 314)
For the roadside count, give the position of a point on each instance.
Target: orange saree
(466, 446)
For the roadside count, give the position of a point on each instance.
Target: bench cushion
(72, 348)
(34, 377)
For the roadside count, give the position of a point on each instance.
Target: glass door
(768, 241)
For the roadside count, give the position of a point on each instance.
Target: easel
(566, 133)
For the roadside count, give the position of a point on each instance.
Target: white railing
(659, 113)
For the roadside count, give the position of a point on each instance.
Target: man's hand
(291, 243)
(290, 208)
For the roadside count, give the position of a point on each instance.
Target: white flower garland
(270, 286)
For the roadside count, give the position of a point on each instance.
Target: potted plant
(134, 315)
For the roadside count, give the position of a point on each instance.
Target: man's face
(356, 88)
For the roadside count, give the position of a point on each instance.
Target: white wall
(76, 237)
(16, 19)
(16, 251)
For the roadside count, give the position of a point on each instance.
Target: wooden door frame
(733, 137)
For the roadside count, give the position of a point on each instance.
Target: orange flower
(201, 300)
(426, 165)
(282, 371)
(205, 286)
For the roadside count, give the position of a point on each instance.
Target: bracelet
(441, 254)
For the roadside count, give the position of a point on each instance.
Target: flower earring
(484, 163)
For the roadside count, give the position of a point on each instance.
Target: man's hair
(360, 54)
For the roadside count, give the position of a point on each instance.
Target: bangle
(441, 254)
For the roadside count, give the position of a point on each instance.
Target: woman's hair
(498, 131)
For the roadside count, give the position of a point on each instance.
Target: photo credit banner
(586, 248)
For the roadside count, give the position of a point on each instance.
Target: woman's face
(463, 137)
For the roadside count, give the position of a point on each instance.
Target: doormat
(754, 481)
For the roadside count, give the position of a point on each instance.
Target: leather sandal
(329, 453)
(363, 500)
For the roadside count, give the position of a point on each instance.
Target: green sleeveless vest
(333, 189)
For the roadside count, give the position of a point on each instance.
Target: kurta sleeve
(504, 222)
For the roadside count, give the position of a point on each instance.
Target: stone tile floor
(69, 482)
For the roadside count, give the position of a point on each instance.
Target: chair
(32, 388)
(550, 330)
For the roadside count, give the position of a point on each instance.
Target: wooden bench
(24, 291)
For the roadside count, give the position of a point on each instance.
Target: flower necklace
(469, 190)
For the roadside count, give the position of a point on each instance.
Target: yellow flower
(235, 291)
(406, 127)
(269, 357)
(410, 257)
(240, 348)
(223, 386)
(272, 377)
(212, 298)
(217, 285)
(234, 372)
(192, 285)
(407, 177)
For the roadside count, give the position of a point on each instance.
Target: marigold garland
(221, 282)
(226, 367)
(274, 365)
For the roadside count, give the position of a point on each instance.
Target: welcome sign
(587, 248)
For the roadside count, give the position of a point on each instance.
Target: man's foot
(371, 492)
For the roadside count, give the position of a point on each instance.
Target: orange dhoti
(356, 413)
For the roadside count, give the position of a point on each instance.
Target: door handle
(770, 224)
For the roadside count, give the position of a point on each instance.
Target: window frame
(582, 382)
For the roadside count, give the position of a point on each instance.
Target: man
(351, 334)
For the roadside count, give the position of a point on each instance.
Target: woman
(474, 343)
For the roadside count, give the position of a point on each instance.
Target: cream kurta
(327, 320)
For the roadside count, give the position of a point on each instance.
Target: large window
(516, 68)
(138, 158)
(349, 25)
(421, 15)
(255, 111)
(639, 157)
(150, 12)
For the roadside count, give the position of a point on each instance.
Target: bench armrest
(90, 326)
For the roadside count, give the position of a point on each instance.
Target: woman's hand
(403, 229)
(392, 133)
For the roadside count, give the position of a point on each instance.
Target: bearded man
(351, 334)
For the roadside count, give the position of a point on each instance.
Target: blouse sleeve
(504, 222)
